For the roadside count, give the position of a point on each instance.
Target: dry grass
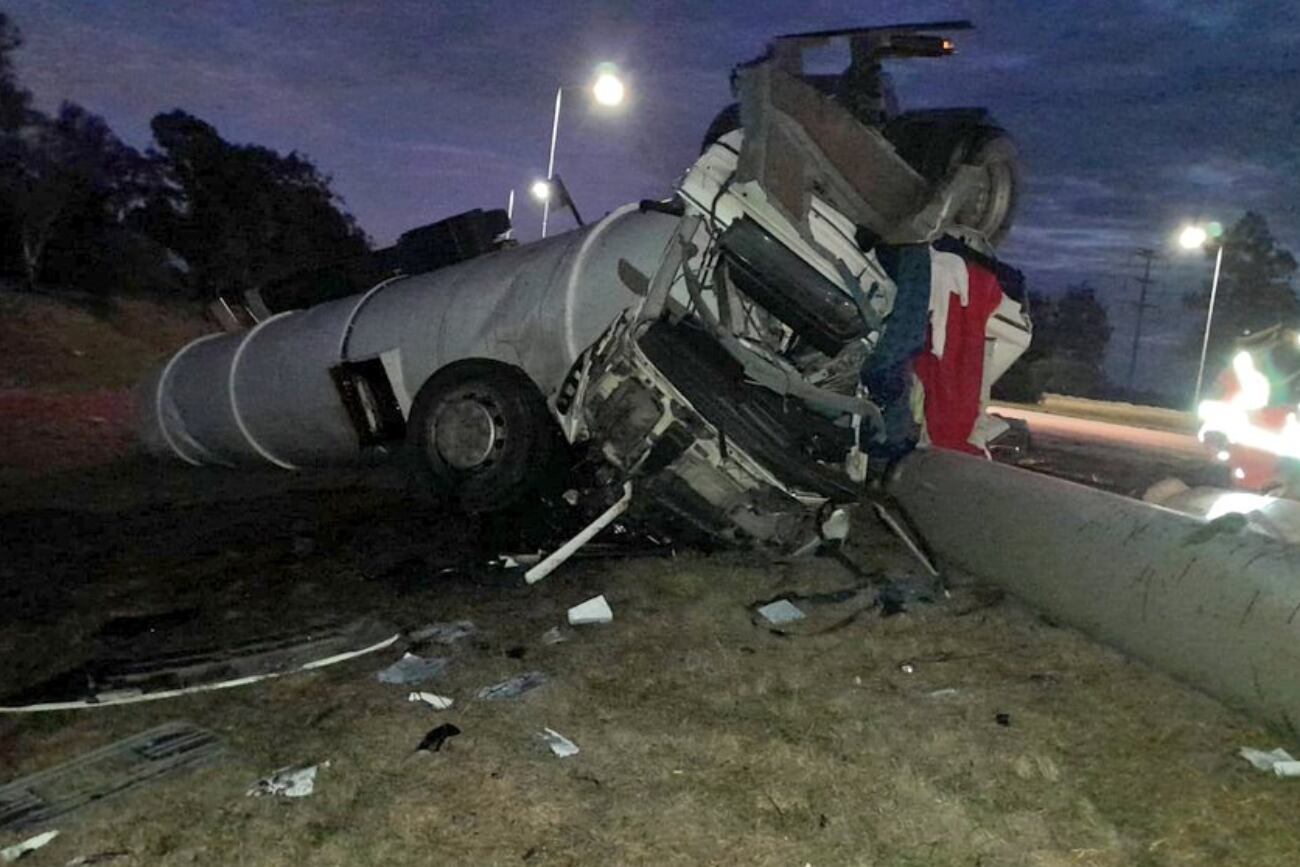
(705, 739)
(56, 344)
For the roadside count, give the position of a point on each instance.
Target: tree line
(193, 216)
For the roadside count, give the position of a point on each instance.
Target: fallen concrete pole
(1213, 604)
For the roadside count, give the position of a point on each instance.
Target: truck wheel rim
(467, 431)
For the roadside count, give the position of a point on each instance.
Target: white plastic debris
(444, 633)
(513, 687)
(292, 782)
(1278, 762)
(559, 744)
(569, 548)
(947, 692)
(98, 858)
(554, 635)
(31, 844)
(779, 612)
(594, 610)
(412, 669)
(433, 700)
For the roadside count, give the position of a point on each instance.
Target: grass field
(705, 739)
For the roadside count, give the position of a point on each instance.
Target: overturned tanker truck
(816, 314)
(738, 355)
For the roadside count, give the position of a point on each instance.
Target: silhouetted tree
(1255, 290)
(241, 214)
(70, 177)
(15, 102)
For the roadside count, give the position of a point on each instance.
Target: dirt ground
(968, 731)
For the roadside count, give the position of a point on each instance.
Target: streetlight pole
(1209, 318)
(550, 160)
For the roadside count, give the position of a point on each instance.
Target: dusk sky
(1131, 116)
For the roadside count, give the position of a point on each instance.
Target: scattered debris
(594, 610)
(559, 744)
(513, 687)
(436, 737)
(173, 673)
(12, 853)
(1003, 719)
(111, 770)
(781, 611)
(569, 548)
(443, 633)
(907, 668)
(98, 858)
(554, 635)
(295, 781)
(1278, 762)
(433, 700)
(942, 693)
(518, 561)
(411, 669)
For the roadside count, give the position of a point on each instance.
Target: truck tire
(481, 435)
(936, 142)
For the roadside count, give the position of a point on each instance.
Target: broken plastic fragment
(18, 850)
(98, 858)
(295, 781)
(569, 548)
(412, 669)
(781, 611)
(559, 744)
(443, 633)
(433, 700)
(554, 635)
(1279, 762)
(594, 610)
(513, 687)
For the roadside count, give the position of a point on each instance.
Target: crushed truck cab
(818, 296)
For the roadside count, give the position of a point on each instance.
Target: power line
(1146, 281)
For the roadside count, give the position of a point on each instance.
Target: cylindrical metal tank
(1210, 602)
(266, 395)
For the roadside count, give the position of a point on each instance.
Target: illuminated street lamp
(1195, 237)
(608, 90)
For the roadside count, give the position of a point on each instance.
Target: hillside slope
(66, 376)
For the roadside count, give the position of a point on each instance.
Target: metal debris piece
(1278, 762)
(98, 858)
(594, 610)
(436, 737)
(559, 744)
(780, 612)
(444, 633)
(124, 681)
(295, 781)
(569, 548)
(111, 770)
(433, 700)
(12, 853)
(513, 687)
(412, 669)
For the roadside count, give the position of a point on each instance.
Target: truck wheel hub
(466, 432)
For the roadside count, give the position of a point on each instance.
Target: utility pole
(1147, 255)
